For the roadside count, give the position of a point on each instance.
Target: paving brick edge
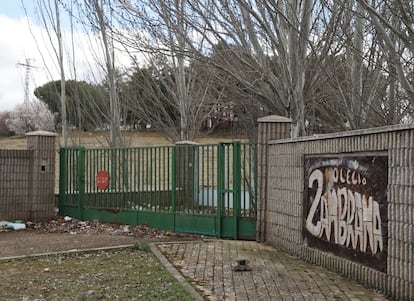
(190, 289)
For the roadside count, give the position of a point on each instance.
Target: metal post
(81, 180)
(63, 182)
(236, 187)
(220, 186)
(173, 183)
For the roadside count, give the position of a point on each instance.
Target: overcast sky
(17, 44)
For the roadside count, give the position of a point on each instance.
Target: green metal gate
(202, 189)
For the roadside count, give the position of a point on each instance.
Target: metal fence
(209, 189)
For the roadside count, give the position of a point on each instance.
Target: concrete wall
(28, 179)
(15, 183)
(382, 192)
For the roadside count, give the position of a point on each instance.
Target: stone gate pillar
(42, 194)
(271, 127)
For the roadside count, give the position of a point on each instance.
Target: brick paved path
(274, 275)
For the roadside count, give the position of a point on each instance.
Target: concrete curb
(190, 289)
(72, 251)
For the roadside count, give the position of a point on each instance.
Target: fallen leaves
(74, 226)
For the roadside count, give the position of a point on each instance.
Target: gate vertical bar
(81, 180)
(220, 186)
(63, 179)
(173, 183)
(236, 187)
(255, 178)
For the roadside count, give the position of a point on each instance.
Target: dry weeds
(123, 274)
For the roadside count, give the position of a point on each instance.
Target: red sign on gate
(102, 180)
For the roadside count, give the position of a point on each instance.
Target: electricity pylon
(28, 66)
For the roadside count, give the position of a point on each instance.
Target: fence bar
(236, 187)
(220, 186)
(81, 180)
(63, 184)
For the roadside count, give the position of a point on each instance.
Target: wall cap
(383, 129)
(274, 118)
(41, 133)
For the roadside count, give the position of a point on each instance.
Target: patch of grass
(124, 274)
(142, 246)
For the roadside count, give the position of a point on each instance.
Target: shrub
(30, 117)
(4, 131)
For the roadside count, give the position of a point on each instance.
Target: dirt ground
(132, 139)
(19, 243)
(61, 235)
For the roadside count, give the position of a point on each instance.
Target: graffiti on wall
(346, 207)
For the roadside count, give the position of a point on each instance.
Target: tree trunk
(115, 123)
(357, 67)
(297, 47)
(62, 77)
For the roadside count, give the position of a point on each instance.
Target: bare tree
(270, 40)
(160, 29)
(50, 17)
(329, 65)
(390, 30)
(62, 74)
(98, 13)
(350, 86)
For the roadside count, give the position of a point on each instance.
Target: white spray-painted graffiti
(344, 216)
